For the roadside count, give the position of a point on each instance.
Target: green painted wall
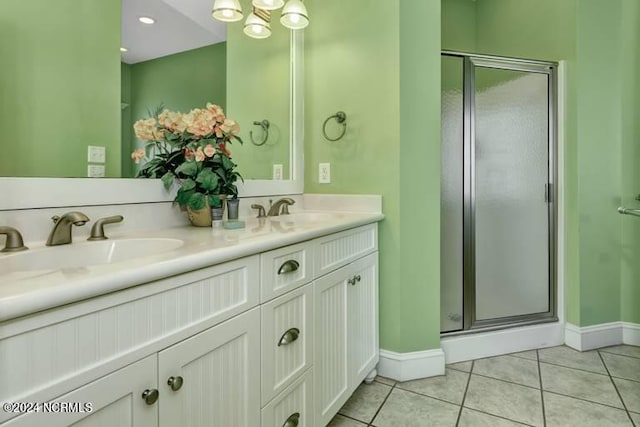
(60, 92)
(630, 35)
(459, 25)
(371, 67)
(258, 89)
(127, 166)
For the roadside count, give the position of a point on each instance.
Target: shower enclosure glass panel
(451, 208)
(511, 159)
(498, 235)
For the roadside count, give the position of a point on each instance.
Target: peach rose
(230, 127)
(137, 155)
(209, 150)
(199, 122)
(172, 121)
(199, 155)
(188, 154)
(216, 111)
(146, 130)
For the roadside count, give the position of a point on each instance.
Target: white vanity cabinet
(280, 338)
(346, 332)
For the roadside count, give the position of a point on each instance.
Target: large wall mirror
(83, 72)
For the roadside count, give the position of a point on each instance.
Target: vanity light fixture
(268, 4)
(147, 20)
(294, 15)
(227, 10)
(124, 49)
(258, 24)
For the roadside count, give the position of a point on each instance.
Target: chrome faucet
(285, 202)
(14, 241)
(61, 233)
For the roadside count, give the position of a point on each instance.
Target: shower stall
(498, 204)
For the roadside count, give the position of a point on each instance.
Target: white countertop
(23, 293)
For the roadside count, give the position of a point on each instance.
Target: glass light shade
(227, 10)
(268, 4)
(294, 15)
(256, 27)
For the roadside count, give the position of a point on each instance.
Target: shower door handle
(548, 193)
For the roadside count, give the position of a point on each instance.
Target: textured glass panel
(452, 195)
(511, 220)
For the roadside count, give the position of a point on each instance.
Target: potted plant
(190, 150)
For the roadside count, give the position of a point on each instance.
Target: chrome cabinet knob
(288, 337)
(358, 278)
(175, 383)
(352, 281)
(292, 421)
(150, 396)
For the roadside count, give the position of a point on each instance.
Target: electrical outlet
(96, 154)
(95, 171)
(277, 172)
(324, 173)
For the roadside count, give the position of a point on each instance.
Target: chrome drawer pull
(288, 337)
(289, 266)
(292, 421)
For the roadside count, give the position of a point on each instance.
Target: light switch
(324, 173)
(277, 172)
(95, 171)
(96, 154)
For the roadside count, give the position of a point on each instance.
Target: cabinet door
(331, 367)
(216, 376)
(115, 400)
(362, 343)
(293, 406)
(287, 334)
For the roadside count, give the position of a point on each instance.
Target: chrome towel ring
(265, 130)
(341, 118)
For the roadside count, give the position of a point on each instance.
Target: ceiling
(180, 25)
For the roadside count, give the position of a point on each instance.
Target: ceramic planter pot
(200, 217)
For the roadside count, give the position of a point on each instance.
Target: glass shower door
(510, 155)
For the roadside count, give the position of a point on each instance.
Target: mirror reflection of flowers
(190, 149)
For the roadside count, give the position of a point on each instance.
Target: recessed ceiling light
(123, 49)
(146, 20)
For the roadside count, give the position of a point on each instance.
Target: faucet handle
(97, 230)
(55, 219)
(261, 211)
(285, 209)
(14, 241)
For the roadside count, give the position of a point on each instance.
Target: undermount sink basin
(78, 255)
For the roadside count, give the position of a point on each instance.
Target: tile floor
(549, 387)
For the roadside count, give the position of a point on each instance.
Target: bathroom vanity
(275, 325)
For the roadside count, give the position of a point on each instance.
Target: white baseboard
(411, 366)
(602, 335)
(631, 333)
(487, 344)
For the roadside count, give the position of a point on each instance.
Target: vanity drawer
(286, 340)
(295, 404)
(339, 249)
(285, 269)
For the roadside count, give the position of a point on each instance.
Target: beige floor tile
(449, 387)
(562, 411)
(471, 418)
(565, 356)
(387, 381)
(365, 401)
(622, 366)
(407, 409)
(512, 401)
(531, 355)
(340, 421)
(461, 366)
(626, 350)
(509, 368)
(581, 384)
(630, 391)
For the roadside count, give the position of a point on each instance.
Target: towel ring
(341, 118)
(265, 129)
